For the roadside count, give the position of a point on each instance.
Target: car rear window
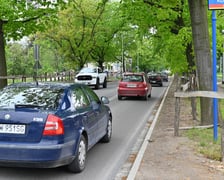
(47, 98)
(132, 78)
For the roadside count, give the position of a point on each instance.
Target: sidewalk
(166, 157)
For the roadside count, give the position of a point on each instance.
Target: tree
(76, 30)
(22, 18)
(106, 30)
(166, 24)
(19, 59)
(201, 43)
(171, 21)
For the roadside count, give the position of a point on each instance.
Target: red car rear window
(132, 78)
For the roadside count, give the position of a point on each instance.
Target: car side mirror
(105, 100)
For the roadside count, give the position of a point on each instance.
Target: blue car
(47, 125)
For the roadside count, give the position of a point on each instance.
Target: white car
(92, 76)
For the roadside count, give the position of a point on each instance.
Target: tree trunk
(3, 69)
(199, 21)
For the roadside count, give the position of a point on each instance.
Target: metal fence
(66, 77)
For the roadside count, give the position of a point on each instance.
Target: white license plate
(131, 85)
(12, 128)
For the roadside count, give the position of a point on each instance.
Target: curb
(134, 169)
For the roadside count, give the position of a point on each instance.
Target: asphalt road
(104, 161)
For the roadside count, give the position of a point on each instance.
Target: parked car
(46, 125)
(92, 76)
(155, 79)
(134, 84)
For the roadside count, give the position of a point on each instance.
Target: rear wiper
(27, 106)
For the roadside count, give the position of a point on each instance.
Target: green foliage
(21, 18)
(154, 34)
(205, 143)
(175, 54)
(74, 33)
(96, 31)
(107, 27)
(166, 26)
(20, 59)
(84, 32)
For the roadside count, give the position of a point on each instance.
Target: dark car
(164, 76)
(134, 84)
(155, 79)
(46, 125)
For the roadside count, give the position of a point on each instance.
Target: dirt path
(174, 158)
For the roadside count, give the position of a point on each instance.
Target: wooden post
(222, 143)
(177, 117)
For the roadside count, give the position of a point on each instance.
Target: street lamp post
(122, 53)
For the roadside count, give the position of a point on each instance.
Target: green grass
(205, 143)
(204, 139)
(221, 104)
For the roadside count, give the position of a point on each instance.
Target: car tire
(119, 97)
(97, 84)
(105, 83)
(78, 164)
(107, 137)
(146, 97)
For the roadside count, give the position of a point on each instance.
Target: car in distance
(47, 125)
(164, 76)
(92, 76)
(155, 79)
(134, 84)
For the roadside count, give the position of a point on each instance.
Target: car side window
(79, 99)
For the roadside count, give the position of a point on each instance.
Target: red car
(134, 84)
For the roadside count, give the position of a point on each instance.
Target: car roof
(56, 85)
(134, 73)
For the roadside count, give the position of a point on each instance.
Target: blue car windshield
(33, 97)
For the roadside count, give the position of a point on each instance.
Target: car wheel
(146, 97)
(105, 83)
(97, 84)
(108, 134)
(78, 164)
(119, 97)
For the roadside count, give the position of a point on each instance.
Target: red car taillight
(53, 126)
